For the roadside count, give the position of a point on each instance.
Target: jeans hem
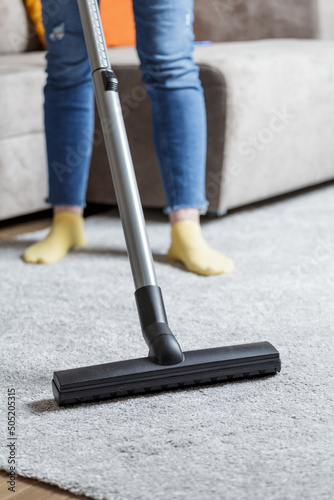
(75, 203)
(202, 209)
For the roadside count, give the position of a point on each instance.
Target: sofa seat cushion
(23, 175)
(22, 78)
(280, 117)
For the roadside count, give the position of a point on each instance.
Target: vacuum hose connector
(164, 349)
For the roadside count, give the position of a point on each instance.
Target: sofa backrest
(234, 20)
(215, 20)
(17, 33)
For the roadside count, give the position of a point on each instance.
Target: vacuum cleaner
(166, 366)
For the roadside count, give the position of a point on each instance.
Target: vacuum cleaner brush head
(143, 375)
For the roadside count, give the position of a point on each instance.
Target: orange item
(118, 22)
(34, 10)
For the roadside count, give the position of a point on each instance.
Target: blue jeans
(164, 44)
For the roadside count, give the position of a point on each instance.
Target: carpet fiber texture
(270, 438)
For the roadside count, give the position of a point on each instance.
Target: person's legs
(69, 122)
(165, 45)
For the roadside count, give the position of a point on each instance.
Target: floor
(40, 220)
(8, 231)
(28, 489)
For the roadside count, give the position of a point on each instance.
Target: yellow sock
(67, 231)
(189, 247)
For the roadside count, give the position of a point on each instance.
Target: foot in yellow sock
(189, 247)
(67, 231)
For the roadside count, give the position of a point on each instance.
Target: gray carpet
(270, 438)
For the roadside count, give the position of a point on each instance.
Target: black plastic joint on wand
(164, 349)
(109, 80)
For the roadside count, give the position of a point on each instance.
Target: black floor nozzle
(143, 375)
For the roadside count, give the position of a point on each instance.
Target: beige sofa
(268, 79)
